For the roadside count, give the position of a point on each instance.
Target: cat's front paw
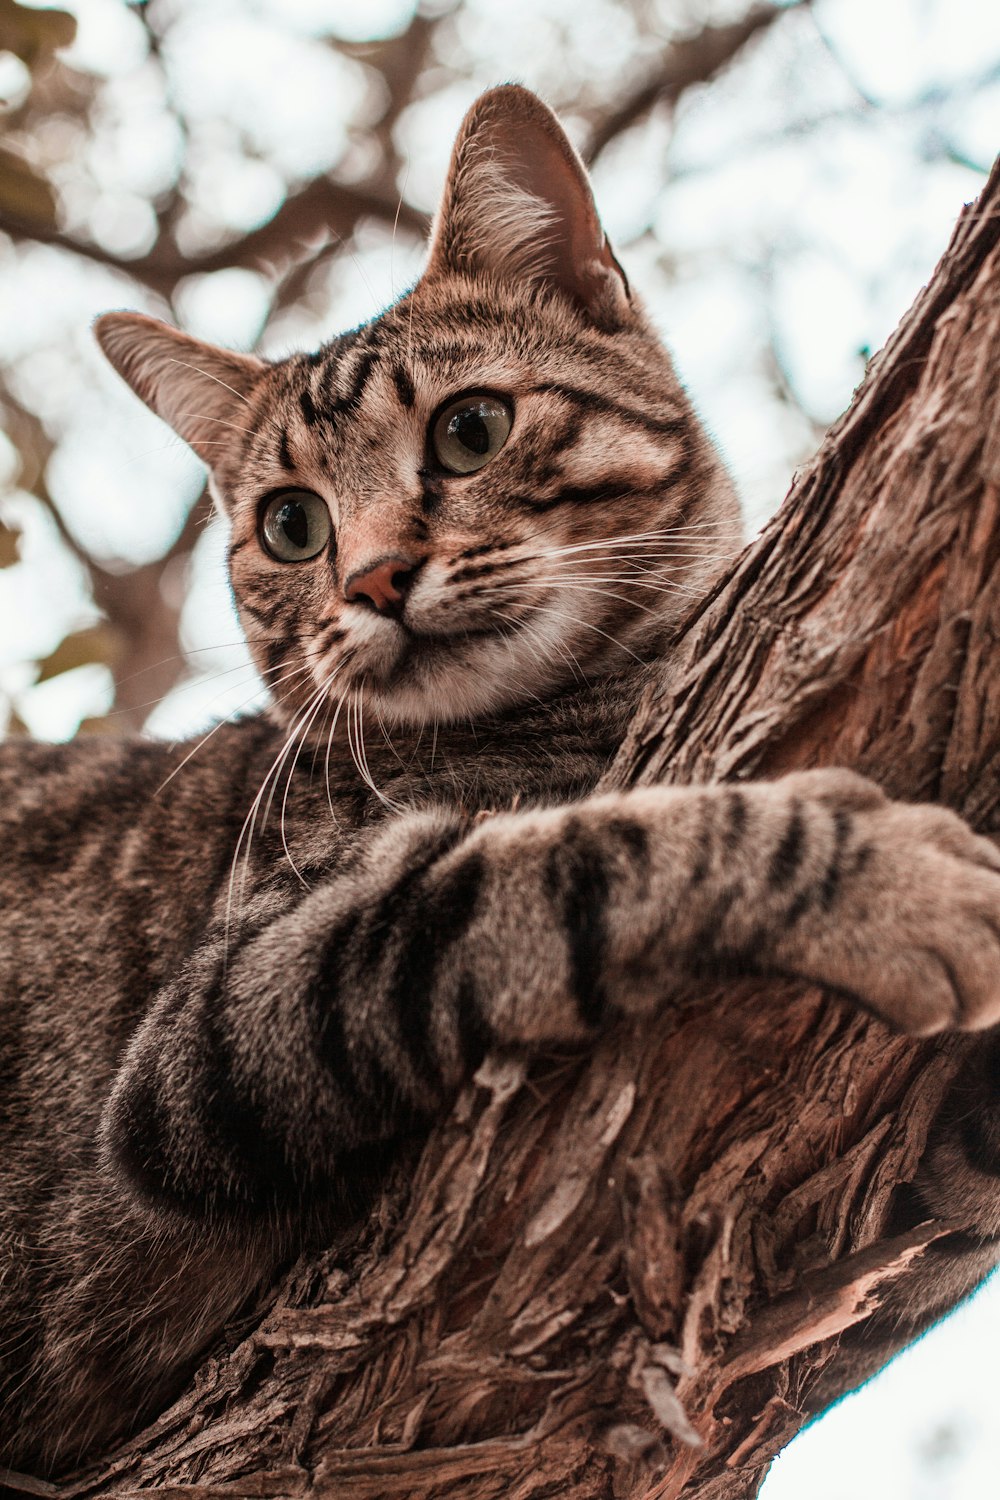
(912, 923)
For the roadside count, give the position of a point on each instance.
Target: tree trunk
(617, 1275)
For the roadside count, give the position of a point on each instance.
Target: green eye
(295, 525)
(469, 431)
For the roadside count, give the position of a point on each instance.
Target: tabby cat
(234, 976)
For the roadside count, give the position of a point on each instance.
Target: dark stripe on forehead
(579, 494)
(480, 310)
(608, 406)
(284, 452)
(434, 352)
(366, 366)
(404, 386)
(334, 406)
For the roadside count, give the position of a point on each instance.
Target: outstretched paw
(914, 928)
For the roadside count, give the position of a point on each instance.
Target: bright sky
(798, 203)
(924, 1429)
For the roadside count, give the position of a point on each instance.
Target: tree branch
(685, 63)
(142, 646)
(322, 208)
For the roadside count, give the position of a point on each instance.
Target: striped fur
(236, 978)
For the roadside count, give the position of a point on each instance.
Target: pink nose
(383, 584)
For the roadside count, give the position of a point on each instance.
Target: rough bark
(600, 1262)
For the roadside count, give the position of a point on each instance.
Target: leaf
(96, 645)
(33, 34)
(8, 546)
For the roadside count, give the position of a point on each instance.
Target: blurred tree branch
(324, 208)
(685, 63)
(140, 643)
(320, 209)
(34, 34)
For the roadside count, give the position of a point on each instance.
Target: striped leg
(334, 1025)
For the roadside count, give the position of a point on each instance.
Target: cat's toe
(914, 931)
(957, 934)
(950, 834)
(835, 786)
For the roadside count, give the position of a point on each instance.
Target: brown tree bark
(617, 1275)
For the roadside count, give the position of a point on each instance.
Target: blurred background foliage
(778, 179)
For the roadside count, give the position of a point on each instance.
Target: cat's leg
(308, 1034)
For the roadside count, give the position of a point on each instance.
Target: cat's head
(495, 488)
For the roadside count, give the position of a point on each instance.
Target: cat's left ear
(518, 206)
(200, 391)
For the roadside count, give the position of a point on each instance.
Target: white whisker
(250, 821)
(295, 672)
(359, 753)
(288, 786)
(569, 656)
(204, 417)
(207, 375)
(568, 580)
(587, 625)
(583, 588)
(329, 747)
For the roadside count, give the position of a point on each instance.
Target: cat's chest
(307, 814)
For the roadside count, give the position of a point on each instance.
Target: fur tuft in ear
(518, 205)
(201, 391)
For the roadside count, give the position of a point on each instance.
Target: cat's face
(493, 489)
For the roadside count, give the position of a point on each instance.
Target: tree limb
(141, 644)
(322, 208)
(325, 209)
(686, 62)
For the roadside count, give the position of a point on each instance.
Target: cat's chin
(411, 676)
(442, 679)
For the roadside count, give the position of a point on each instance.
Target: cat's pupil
(294, 523)
(295, 526)
(470, 430)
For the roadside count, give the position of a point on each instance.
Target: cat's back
(108, 840)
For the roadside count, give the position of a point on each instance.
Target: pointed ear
(199, 390)
(518, 205)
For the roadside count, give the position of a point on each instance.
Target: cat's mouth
(415, 671)
(451, 656)
(418, 648)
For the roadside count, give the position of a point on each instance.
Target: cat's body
(232, 979)
(97, 1294)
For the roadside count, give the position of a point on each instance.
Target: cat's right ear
(518, 207)
(199, 390)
